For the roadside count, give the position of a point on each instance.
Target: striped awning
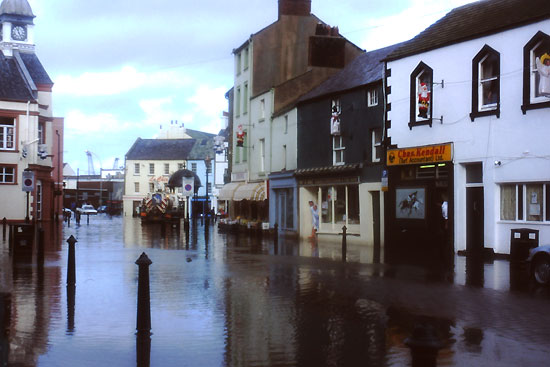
(228, 190)
(254, 191)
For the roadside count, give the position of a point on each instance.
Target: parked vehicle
(87, 209)
(539, 264)
(102, 209)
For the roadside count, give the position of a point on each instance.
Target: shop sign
(420, 155)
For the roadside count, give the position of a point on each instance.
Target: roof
(365, 69)
(204, 145)
(13, 85)
(35, 68)
(473, 21)
(16, 7)
(160, 149)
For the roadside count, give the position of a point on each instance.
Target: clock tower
(16, 27)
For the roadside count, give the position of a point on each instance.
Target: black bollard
(143, 324)
(143, 350)
(71, 262)
(4, 225)
(424, 346)
(344, 244)
(71, 296)
(88, 219)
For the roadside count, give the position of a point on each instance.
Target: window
(340, 205)
(286, 125)
(209, 188)
(7, 174)
(262, 155)
(136, 187)
(245, 99)
(151, 168)
(194, 167)
(376, 144)
(245, 147)
(525, 202)
(151, 187)
(486, 83)
(421, 97)
(41, 132)
(335, 111)
(238, 102)
(239, 63)
(7, 133)
(136, 168)
(284, 157)
(262, 109)
(536, 73)
(208, 167)
(372, 97)
(166, 168)
(180, 166)
(338, 150)
(246, 57)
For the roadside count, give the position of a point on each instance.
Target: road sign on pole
(28, 181)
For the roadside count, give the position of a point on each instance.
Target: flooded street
(227, 300)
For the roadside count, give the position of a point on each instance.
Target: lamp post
(207, 161)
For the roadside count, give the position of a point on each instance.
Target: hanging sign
(188, 186)
(420, 155)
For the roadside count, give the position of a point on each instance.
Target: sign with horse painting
(410, 203)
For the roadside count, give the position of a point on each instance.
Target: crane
(91, 170)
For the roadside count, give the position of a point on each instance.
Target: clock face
(19, 33)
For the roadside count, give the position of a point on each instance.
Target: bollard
(71, 265)
(87, 218)
(424, 346)
(143, 350)
(143, 324)
(4, 225)
(344, 244)
(71, 296)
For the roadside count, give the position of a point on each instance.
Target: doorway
(474, 220)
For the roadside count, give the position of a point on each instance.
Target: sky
(122, 68)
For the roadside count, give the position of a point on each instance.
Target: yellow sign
(420, 155)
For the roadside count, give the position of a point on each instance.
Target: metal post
(344, 244)
(424, 346)
(27, 219)
(4, 225)
(71, 262)
(143, 324)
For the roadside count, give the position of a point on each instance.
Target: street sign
(28, 181)
(188, 186)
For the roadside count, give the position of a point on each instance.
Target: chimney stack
(294, 7)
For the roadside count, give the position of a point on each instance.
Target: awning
(251, 191)
(228, 190)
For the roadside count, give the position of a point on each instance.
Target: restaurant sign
(420, 155)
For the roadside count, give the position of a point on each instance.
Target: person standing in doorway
(314, 218)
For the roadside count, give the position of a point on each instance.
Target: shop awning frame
(254, 191)
(228, 190)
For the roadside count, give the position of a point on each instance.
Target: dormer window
(421, 98)
(536, 73)
(486, 83)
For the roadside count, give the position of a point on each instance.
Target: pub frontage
(420, 204)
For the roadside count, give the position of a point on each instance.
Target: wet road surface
(226, 300)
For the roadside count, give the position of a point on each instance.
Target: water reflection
(226, 299)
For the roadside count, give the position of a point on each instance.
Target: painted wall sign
(420, 155)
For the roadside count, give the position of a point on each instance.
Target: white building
(478, 135)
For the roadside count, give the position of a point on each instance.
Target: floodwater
(226, 300)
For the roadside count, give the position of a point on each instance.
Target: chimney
(294, 7)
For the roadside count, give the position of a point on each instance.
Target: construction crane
(91, 170)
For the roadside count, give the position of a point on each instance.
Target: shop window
(437, 171)
(486, 83)
(421, 96)
(340, 205)
(376, 135)
(338, 150)
(536, 73)
(7, 133)
(7, 174)
(524, 202)
(136, 168)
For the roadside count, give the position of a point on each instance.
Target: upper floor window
(151, 168)
(246, 56)
(486, 83)
(245, 98)
(536, 72)
(166, 168)
(136, 187)
(338, 150)
(180, 166)
(136, 168)
(376, 144)
(421, 98)
(262, 155)
(151, 187)
(286, 125)
(335, 117)
(262, 109)
(41, 132)
(194, 167)
(372, 97)
(239, 63)
(238, 102)
(7, 133)
(7, 174)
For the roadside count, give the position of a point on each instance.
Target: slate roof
(204, 145)
(35, 68)
(16, 7)
(473, 21)
(160, 149)
(365, 69)
(13, 86)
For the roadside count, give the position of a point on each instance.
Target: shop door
(474, 220)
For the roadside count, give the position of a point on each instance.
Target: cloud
(78, 123)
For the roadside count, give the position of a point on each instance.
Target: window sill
(483, 113)
(420, 123)
(534, 106)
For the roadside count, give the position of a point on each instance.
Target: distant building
(31, 139)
